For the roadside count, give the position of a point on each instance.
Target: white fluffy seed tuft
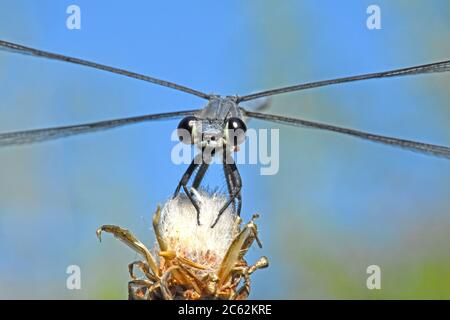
(199, 243)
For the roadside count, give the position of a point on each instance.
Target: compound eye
(185, 129)
(236, 130)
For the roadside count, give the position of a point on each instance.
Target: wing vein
(17, 48)
(40, 135)
(425, 148)
(442, 66)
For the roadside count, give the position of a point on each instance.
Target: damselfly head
(212, 135)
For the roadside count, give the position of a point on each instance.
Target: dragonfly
(219, 127)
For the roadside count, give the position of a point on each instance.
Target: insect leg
(200, 175)
(227, 174)
(184, 181)
(235, 184)
(233, 179)
(238, 183)
(186, 176)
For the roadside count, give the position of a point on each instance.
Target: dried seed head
(192, 261)
(200, 243)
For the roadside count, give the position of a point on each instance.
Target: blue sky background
(337, 204)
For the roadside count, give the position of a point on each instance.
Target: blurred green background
(337, 204)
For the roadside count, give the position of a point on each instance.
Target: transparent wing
(442, 66)
(258, 105)
(425, 148)
(54, 56)
(39, 135)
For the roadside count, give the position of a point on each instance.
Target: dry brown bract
(184, 269)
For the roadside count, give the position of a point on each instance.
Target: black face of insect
(236, 130)
(212, 134)
(185, 129)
